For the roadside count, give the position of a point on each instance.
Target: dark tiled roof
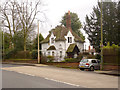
(60, 32)
(51, 48)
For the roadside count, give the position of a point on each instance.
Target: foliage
(85, 53)
(50, 58)
(5, 40)
(111, 21)
(75, 23)
(111, 47)
(35, 44)
(18, 39)
(43, 59)
(71, 60)
(111, 54)
(14, 54)
(35, 54)
(20, 16)
(91, 56)
(98, 56)
(10, 54)
(80, 56)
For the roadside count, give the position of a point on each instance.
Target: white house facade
(62, 42)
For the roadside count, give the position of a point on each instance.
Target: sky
(55, 9)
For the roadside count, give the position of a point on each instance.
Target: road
(18, 76)
(12, 79)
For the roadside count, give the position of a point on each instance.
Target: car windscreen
(84, 60)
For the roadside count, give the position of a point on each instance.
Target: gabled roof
(51, 48)
(71, 48)
(60, 32)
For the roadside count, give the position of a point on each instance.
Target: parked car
(91, 64)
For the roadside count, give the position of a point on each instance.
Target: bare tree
(10, 18)
(20, 17)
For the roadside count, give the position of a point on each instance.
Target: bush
(98, 56)
(14, 54)
(10, 54)
(50, 58)
(43, 59)
(80, 56)
(85, 53)
(23, 55)
(91, 56)
(35, 54)
(71, 60)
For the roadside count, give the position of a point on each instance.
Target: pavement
(113, 72)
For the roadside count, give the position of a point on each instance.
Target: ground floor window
(48, 53)
(53, 53)
(60, 54)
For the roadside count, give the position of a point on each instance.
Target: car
(91, 64)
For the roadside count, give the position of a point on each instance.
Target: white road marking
(63, 82)
(26, 73)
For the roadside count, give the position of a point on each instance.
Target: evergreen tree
(110, 25)
(75, 23)
(35, 44)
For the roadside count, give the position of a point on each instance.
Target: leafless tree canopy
(20, 16)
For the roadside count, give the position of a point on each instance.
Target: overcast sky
(55, 9)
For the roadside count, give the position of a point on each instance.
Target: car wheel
(92, 68)
(82, 69)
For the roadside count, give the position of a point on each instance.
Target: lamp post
(38, 44)
(101, 39)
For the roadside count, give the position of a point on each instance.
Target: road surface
(18, 76)
(12, 79)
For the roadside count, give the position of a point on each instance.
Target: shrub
(98, 56)
(14, 54)
(85, 53)
(10, 54)
(50, 58)
(71, 60)
(91, 56)
(23, 55)
(80, 56)
(35, 54)
(43, 59)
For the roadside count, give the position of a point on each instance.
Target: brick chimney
(68, 21)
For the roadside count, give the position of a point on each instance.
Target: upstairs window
(69, 39)
(52, 40)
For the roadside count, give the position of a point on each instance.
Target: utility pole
(38, 44)
(101, 40)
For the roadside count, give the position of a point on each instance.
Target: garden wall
(64, 64)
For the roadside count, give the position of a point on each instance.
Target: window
(60, 46)
(60, 54)
(48, 53)
(94, 61)
(52, 40)
(84, 60)
(53, 53)
(69, 39)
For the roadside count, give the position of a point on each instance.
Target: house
(62, 42)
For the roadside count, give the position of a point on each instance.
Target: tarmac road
(11, 79)
(42, 76)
